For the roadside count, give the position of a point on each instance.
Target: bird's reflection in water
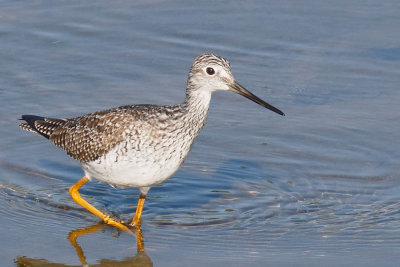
(140, 260)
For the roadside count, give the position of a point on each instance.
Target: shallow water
(319, 186)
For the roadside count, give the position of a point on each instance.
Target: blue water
(320, 186)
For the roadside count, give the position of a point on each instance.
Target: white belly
(124, 166)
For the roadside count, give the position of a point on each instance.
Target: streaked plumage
(141, 145)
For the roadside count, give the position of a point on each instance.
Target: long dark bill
(237, 88)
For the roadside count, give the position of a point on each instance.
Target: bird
(140, 145)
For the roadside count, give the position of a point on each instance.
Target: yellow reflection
(140, 260)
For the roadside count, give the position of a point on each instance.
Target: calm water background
(320, 186)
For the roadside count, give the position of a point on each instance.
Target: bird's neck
(196, 105)
(197, 101)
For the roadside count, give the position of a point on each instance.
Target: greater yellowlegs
(139, 145)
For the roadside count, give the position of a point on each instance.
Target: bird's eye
(210, 71)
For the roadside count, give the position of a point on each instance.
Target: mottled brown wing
(89, 137)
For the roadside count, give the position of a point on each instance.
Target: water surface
(319, 186)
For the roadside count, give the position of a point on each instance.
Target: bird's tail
(41, 125)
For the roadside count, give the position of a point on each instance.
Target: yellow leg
(136, 220)
(74, 192)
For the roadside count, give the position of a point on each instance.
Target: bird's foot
(135, 224)
(119, 224)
